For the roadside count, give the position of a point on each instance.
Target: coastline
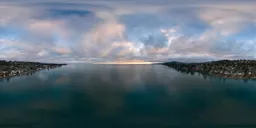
(235, 69)
(9, 69)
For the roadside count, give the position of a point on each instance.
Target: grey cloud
(157, 41)
(234, 48)
(111, 30)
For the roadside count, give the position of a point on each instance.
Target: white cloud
(134, 30)
(43, 53)
(228, 19)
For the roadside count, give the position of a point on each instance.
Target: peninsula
(238, 69)
(18, 68)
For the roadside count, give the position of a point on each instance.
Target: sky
(127, 31)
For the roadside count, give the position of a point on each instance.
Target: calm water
(77, 96)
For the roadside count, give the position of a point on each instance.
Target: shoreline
(9, 69)
(235, 69)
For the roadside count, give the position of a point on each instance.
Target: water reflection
(124, 95)
(9, 78)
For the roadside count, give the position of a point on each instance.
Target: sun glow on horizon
(126, 62)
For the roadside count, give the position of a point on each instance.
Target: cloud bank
(126, 31)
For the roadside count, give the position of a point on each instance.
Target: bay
(85, 95)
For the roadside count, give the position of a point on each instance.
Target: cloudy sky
(99, 31)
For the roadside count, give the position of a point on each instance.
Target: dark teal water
(79, 96)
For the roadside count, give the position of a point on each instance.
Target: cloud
(15, 14)
(61, 50)
(107, 31)
(42, 53)
(228, 20)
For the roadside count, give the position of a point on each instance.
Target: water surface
(86, 95)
